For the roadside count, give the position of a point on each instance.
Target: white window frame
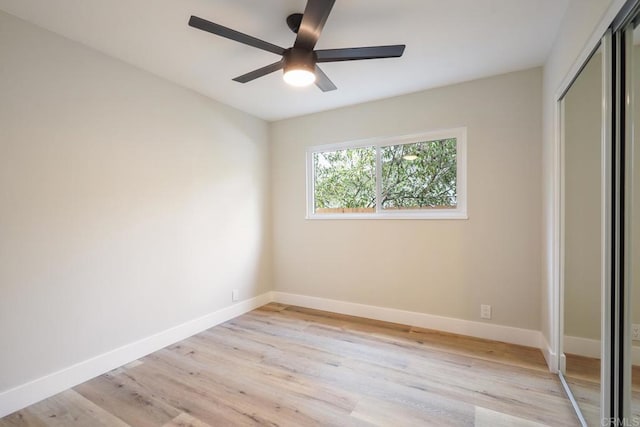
(459, 212)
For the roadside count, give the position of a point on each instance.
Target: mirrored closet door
(631, 291)
(581, 237)
(600, 229)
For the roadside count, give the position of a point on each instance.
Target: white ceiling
(448, 41)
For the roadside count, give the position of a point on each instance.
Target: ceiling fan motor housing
(299, 59)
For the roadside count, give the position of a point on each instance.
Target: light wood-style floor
(583, 377)
(289, 366)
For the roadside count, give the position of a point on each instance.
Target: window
(419, 176)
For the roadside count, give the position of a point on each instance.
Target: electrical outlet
(635, 332)
(235, 295)
(485, 311)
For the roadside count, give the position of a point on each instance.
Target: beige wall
(582, 203)
(441, 267)
(128, 205)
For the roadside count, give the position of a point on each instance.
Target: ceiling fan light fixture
(299, 67)
(299, 77)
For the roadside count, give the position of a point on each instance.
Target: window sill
(455, 215)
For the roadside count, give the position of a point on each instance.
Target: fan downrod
(293, 22)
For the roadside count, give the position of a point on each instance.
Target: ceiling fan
(300, 62)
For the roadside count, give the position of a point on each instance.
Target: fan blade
(357, 53)
(323, 82)
(313, 19)
(228, 33)
(260, 72)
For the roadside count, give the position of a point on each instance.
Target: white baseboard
(592, 348)
(527, 337)
(550, 356)
(26, 394)
(581, 346)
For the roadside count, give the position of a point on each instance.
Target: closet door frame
(624, 120)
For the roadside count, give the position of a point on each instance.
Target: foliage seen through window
(417, 175)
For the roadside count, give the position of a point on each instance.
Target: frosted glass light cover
(299, 77)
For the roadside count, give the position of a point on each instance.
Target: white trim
(509, 334)
(459, 212)
(558, 235)
(606, 239)
(589, 46)
(417, 214)
(34, 391)
(629, 223)
(550, 356)
(433, 135)
(585, 347)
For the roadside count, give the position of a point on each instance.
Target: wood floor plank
(258, 394)
(488, 418)
(185, 420)
(120, 393)
(282, 365)
(433, 411)
(264, 375)
(207, 400)
(24, 418)
(70, 408)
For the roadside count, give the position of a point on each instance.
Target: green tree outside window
(420, 175)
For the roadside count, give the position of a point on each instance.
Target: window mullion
(378, 179)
